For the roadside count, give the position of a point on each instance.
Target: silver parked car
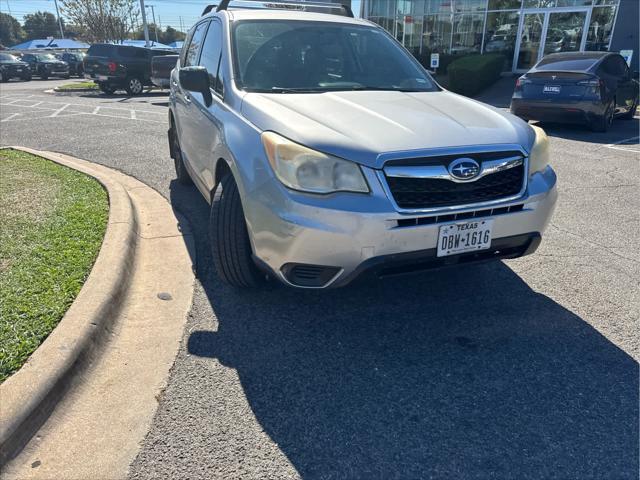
(326, 152)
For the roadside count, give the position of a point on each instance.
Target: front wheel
(134, 86)
(229, 237)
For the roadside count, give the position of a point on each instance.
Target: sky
(168, 12)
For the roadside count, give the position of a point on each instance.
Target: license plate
(551, 89)
(463, 237)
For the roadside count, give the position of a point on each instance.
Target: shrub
(471, 74)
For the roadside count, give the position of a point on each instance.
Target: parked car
(327, 152)
(115, 67)
(161, 67)
(75, 62)
(591, 88)
(45, 65)
(11, 67)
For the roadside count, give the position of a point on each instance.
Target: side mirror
(196, 79)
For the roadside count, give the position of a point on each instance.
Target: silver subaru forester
(327, 152)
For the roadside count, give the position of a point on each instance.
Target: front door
(548, 31)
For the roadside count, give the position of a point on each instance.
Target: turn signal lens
(539, 155)
(112, 66)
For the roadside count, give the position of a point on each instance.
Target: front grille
(419, 193)
(452, 217)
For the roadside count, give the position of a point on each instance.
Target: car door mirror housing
(196, 79)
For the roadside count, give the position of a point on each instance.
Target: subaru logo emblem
(464, 169)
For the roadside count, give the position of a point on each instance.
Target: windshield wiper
(295, 90)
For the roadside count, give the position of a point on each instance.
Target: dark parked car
(161, 67)
(11, 67)
(75, 62)
(115, 67)
(573, 87)
(45, 65)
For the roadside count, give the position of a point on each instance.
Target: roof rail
(302, 4)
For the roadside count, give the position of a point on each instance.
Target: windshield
(45, 57)
(297, 56)
(6, 57)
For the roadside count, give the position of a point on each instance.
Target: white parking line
(619, 145)
(13, 115)
(56, 109)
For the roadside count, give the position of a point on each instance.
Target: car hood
(361, 125)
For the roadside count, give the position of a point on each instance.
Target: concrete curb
(29, 396)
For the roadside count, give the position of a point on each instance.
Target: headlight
(301, 168)
(539, 156)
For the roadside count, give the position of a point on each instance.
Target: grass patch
(88, 85)
(52, 221)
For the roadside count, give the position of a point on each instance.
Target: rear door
(207, 127)
(186, 112)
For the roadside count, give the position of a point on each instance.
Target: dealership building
(521, 30)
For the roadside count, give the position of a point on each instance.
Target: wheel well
(222, 169)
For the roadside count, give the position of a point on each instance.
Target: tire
(44, 75)
(26, 78)
(631, 113)
(106, 88)
(182, 174)
(229, 238)
(66, 77)
(603, 122)
(3, 77)
(134, 86)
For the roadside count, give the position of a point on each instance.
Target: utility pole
(155, 25)
(144, 24)
(59, 20)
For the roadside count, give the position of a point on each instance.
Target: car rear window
(132, 52)
(100, 50)
(574, 64)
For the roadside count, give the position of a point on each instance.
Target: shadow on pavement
(462, 373)
(620, 130)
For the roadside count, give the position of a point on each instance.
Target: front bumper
(351, 234)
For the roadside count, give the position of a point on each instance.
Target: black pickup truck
(115, 67)
(161, 69)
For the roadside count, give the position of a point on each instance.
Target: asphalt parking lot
(519, 369)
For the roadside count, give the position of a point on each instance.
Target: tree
(11, 32)
(41, 25)
(102, 20)
(169, 35)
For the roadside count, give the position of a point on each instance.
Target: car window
(322, 56)
(193, 50)
(211, 51)
(133, 52)
(100, 50)
(561, 63)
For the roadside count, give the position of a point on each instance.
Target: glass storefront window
(467, 33)
(470, 5)
(564, 32)
(436, 37)
(600, 28)
(539, 3)
(606, 2)
(501, 33)
(384, 8)
(573, 3)
(412, 33)
(504, 4)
